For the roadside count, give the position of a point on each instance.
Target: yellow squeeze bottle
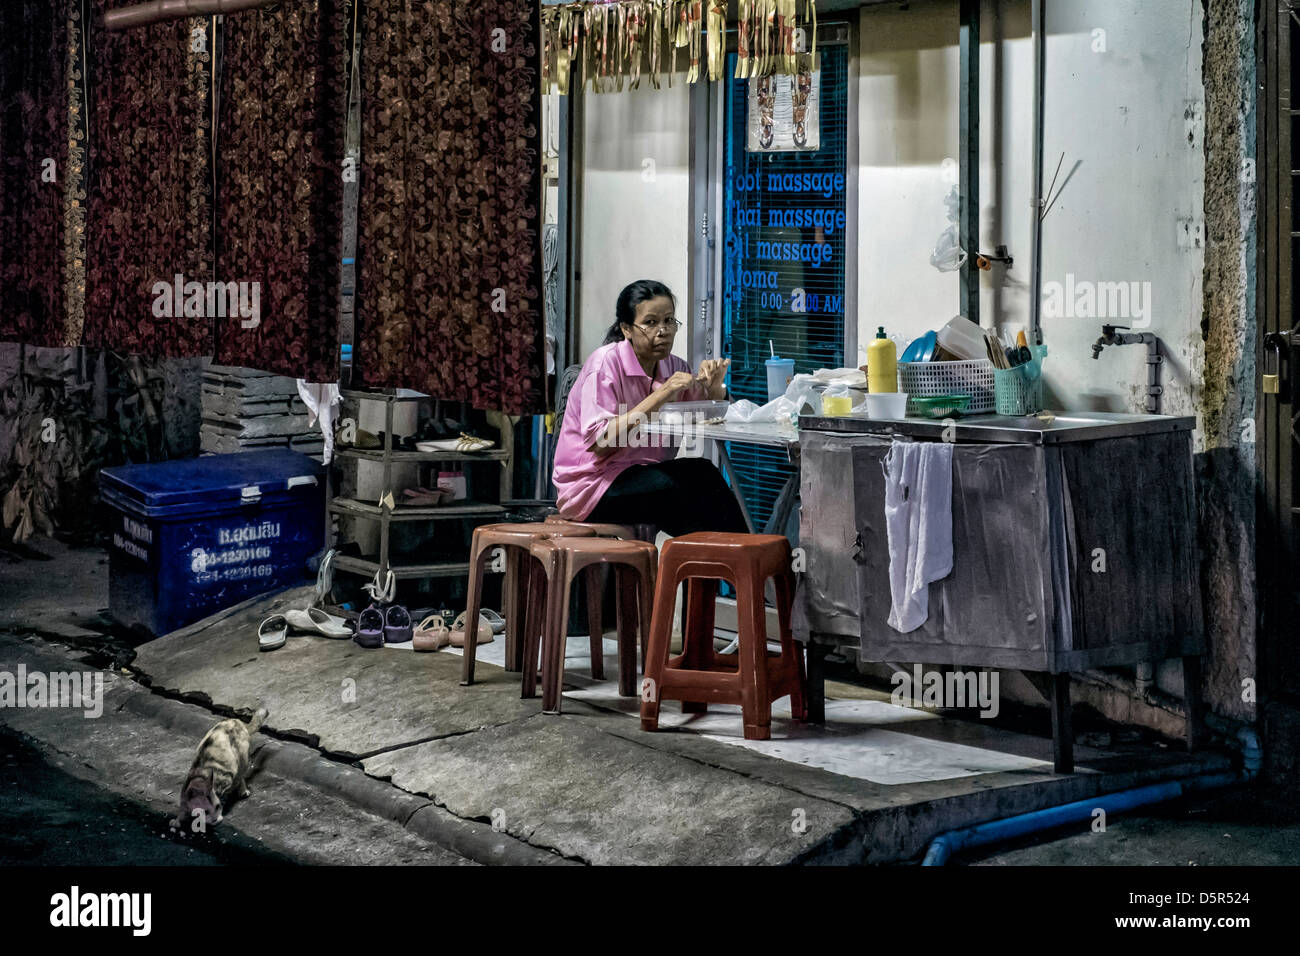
(882, 364)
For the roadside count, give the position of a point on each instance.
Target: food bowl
(692, 413)
(941, 406)
(885, 405)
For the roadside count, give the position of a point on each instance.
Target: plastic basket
(942, 406)
(973, 379)
(1019, 391)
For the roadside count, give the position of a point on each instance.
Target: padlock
(1272, 381)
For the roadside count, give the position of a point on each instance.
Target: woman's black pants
(677, 496)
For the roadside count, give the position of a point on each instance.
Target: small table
(771, 434)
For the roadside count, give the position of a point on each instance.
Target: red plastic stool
(561, 559)
(700, 676)
(515, 539)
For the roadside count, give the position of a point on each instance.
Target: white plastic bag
(948, 255)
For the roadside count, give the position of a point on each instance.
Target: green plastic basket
(940, 406)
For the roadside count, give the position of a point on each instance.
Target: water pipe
(1038, 200)
(159, 11)
(996, 831)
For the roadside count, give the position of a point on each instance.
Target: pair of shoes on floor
(379, 626)
(273, 632)
(432, 634)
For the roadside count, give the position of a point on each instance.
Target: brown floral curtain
(41, 168)
(280, 185)
(150, 196)
(449, 253)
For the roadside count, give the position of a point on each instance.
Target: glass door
(782, 190)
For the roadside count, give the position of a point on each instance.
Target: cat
(220, 769)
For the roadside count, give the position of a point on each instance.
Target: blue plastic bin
(192, 537)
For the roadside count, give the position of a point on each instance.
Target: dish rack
(931, 379)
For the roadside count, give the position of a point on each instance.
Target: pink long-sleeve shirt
(611, 382)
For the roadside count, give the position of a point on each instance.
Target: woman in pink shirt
(605, 469)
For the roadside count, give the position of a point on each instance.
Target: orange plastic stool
(514, 539)
(700, 676)
(561, 559)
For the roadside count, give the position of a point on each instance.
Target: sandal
(497, 622)
(382, 593)
(324, 579)
(464, 444)
(271, 633)
(370, 628)
(485, 632)
(316, 621)
(431, 634)
(397, 625)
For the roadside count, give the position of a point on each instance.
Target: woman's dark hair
(642, 290)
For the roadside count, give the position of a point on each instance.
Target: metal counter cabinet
(1067, 555)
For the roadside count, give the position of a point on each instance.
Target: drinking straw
(771, 347)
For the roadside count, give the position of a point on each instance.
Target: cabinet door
(1134, 560)
(828, 601)
(994, 608)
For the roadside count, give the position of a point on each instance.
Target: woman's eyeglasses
(653, 326)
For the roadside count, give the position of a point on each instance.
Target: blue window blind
(783, 260)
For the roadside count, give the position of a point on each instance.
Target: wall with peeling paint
(1226, 404)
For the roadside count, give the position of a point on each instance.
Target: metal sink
(1051, 428)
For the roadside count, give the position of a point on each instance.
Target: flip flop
(397, 625)
(271, 633)
(485, 633)
(370, 628)
(431, 634)
(316, 621)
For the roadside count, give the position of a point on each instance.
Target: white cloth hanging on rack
(918, 523)
(322, 402)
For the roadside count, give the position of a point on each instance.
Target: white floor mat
(855, 740)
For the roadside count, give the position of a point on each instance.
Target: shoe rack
(385, 515)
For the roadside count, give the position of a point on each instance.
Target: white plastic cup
(779, 373)
(886, 405)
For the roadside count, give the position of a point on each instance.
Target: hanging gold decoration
(613, 40)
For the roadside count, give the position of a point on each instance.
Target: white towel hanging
(918, 523)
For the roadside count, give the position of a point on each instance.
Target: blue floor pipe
(996, 831)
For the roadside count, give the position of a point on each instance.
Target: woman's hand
(712, 375)
(606, 444)
(676, 383)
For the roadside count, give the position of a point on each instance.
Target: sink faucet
(1110, 335)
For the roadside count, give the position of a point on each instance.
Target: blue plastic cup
(779, 373)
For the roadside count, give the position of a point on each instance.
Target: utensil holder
(1019, 390)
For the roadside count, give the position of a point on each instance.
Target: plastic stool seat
(515, 539)
(699, 676)
(561, 559)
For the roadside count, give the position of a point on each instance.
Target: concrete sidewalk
(591, 786)
(478, 773)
